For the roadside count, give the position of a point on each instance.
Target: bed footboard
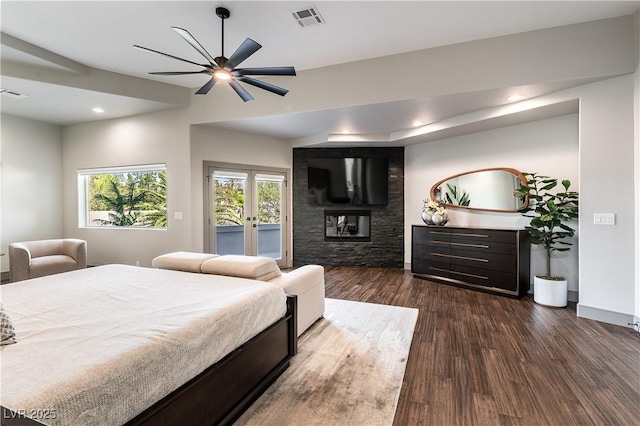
(221, 393)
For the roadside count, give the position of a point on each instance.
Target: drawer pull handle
(440, 233)
(470, 245)
(470, 275)
(470, 235)
(440, 242)
(475, 259)
(461, 273)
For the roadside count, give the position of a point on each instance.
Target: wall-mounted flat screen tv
(356, 181)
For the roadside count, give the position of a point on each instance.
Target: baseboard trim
(407, 265)
(4, 277)
(603, 315)
(572, 296)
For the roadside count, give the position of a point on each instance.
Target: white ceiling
(100, 34)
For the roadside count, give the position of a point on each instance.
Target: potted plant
(549, 213)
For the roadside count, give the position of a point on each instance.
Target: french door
(247, 212)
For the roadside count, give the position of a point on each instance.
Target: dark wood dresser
(494, 260)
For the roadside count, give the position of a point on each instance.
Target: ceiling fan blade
(207, 86)
(186, 35)
(246, 49)
(263, 85)
(146, 49)
(180, 72)
(265, 71)
(241, 91)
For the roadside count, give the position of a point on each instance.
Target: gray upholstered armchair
(31, 259)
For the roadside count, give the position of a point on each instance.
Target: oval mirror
(486, 189)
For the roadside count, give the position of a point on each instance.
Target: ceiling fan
(224, 69)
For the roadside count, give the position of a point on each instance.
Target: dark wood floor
(480, 359)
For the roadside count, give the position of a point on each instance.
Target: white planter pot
(550, 292)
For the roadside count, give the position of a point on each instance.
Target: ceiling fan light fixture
(226, 69)
(222, 75)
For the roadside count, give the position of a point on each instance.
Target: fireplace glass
(347, 225)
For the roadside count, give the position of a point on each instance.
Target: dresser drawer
(485, 246)
(423, 234)
(485, 277)
(424, 258)
(426, 251)
(485, 260)
(427, 267)
(479, 236)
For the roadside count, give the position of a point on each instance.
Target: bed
(118, 344)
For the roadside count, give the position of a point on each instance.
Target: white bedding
(100, 345)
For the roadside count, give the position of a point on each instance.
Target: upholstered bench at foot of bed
(306, 282)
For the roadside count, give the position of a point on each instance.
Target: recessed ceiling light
(515, 97)
(97, 110)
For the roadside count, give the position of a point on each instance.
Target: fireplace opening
(347, 225)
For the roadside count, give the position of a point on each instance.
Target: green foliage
(155, 204)
(269, 201)
(131, 199)
(229, 196)
(455, 198)
(549, 213)
(229, 202)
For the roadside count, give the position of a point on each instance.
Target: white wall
(607, 253)
(161, 137)
(226, 146)
(549, 147)
(31, 155)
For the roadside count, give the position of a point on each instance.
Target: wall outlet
(604, 218)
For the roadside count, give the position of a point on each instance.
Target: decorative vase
(550, 292)
(440, 218)
(427, 216)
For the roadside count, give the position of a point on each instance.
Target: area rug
(348, 370)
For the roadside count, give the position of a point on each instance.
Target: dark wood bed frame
(222, 392)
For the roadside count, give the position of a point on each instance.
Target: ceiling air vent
(307, 16)
(12, 94)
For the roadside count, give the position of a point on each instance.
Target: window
(124, 197)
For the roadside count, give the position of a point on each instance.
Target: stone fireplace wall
(386, 248)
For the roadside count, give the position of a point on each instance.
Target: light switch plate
(604, 218)
(177, 215)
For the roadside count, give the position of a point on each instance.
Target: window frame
(83, 176)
